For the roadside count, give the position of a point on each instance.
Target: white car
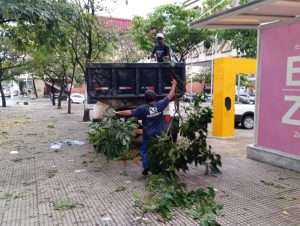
(77, 98)
(244, 115)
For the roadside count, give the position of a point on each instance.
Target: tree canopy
(244, 41)
(174, 22)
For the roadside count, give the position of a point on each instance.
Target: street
(68, 184)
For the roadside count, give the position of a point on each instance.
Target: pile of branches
(167, 157)
(113, 137)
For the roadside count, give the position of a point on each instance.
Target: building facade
(199, 60)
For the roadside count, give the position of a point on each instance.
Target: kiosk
(277, 116)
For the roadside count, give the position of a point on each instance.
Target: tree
(31, 11)
(52, 56)
(90, 41)
(174, 22)
(210, 7)
(127, 50)
(244, 41)
(15, 13)
(10, 59)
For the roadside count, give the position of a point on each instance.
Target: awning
(252, 15)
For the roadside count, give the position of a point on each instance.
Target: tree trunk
(70, 91)
(60, 93)
(2, 96)
(53, 93)
(34, 88)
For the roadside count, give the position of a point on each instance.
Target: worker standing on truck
(152, 118)
(161, 51)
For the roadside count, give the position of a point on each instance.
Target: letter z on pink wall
(279, 102)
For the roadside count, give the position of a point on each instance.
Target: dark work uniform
(153, 123)
(161, 51)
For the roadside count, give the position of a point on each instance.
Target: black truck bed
(128, 81)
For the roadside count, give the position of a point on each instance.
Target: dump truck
(121, 86)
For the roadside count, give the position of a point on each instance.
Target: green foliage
(244, 41)
(210, 7)
(167, 193)
(30, 11)
(9, 196)
(165, 156)
(112, 137)
(174, 22)
(65, 205)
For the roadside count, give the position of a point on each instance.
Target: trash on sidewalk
(59, 145)
(79, 170)
(120, 188)
(73, 142)
(56, 146)
(106, 218)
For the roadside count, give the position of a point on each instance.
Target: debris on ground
(272, 184)
(14, 152)
(50, 126)
(120, 188)
(79, 170)
(52, 173)
(9, 196)
(106, 218)
(56, 146)
(73, 142)
(59, 145)
(142, 220)
(124, 173)
(21, 159)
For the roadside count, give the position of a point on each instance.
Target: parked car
(244, 115)
(246, 98)
(77, 98)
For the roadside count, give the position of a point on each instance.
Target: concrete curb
(284, 160)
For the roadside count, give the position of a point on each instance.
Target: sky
(120, 9)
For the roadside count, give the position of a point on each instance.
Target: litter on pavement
(80, 170)
(56, 146)
(73, 142)
(59, 145)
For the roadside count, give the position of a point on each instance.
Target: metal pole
(192, 84)
(239, 87)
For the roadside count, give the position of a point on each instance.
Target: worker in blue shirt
(152, 118)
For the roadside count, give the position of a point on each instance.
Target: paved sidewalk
(37, 180)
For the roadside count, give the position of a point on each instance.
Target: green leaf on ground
(65, 205)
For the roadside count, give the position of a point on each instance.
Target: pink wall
(279, 114)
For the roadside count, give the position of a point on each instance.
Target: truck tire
(248, 122)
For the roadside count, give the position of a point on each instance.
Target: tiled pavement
(33, 181)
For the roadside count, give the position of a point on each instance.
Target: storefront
(277, 116)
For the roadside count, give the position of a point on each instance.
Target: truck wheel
(248, 122)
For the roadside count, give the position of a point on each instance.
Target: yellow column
(225, 71)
